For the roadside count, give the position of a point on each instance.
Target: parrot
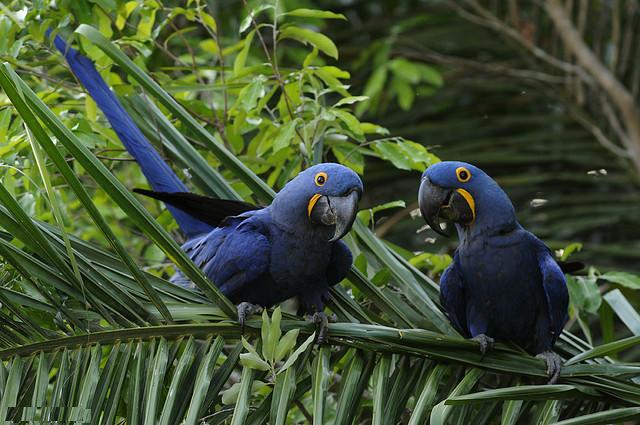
(503, 282)
(258, 256)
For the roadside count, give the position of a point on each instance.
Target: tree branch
(602, 76)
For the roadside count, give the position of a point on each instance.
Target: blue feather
(159, 175)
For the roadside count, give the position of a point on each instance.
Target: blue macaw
(503, 282)
(257, 256)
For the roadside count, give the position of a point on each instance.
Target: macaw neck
(492, 219)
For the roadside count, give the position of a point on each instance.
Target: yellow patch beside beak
(467, 197)
(312, 203)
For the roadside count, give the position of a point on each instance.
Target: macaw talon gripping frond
(245, 310)
(554, 365)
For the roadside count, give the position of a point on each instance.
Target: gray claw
(486, 344)
(321, 321)
(554, 365)
(245, 310)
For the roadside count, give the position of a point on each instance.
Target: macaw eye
(463, 174)
(321, 179)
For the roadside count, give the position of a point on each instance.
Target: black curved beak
(338, 211)
(441, 203)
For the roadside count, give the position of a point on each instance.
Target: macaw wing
(209, 210)
(452, 297)
(339, 263)
(555, 291)
(232, 257)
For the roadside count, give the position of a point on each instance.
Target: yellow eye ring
(463, 174)
(320, 178)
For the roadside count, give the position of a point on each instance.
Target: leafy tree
(92, 331)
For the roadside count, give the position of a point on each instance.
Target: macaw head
(321, 198)
(463, 194)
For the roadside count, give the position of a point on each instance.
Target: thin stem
(273, 62)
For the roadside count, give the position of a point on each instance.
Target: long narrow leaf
(116, 190)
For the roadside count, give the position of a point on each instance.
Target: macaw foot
(321, 320)
(554, 365)
(245, 310)
(486, 344)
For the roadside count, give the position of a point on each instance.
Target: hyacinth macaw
(257, 256)
(503, 282)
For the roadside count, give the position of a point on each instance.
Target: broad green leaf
(284, 135)
(430, 75)
(349, 156)
(286, 344)
(210, 46)
(124, 12)
(274, 335)
(584, 293)
(253, 361)
(350, 100)
(265, 328)
(241, 58)
(314, 13)
(316, 39)
(373, 88)
(393, 152)
(294, 356)
(230, 396)
(251, 17)
(249, 95)
(208, 20)
(622, 278)
(352, 123)
(404, 93)
(369, 128)
(405, 70)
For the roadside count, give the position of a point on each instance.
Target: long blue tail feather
(159, 175)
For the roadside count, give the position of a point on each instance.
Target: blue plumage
(262, 256)
(158, 173)
(503, 283)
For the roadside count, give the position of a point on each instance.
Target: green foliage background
(239, 97)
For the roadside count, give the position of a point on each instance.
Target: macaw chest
(299, 261)
(503, 286)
